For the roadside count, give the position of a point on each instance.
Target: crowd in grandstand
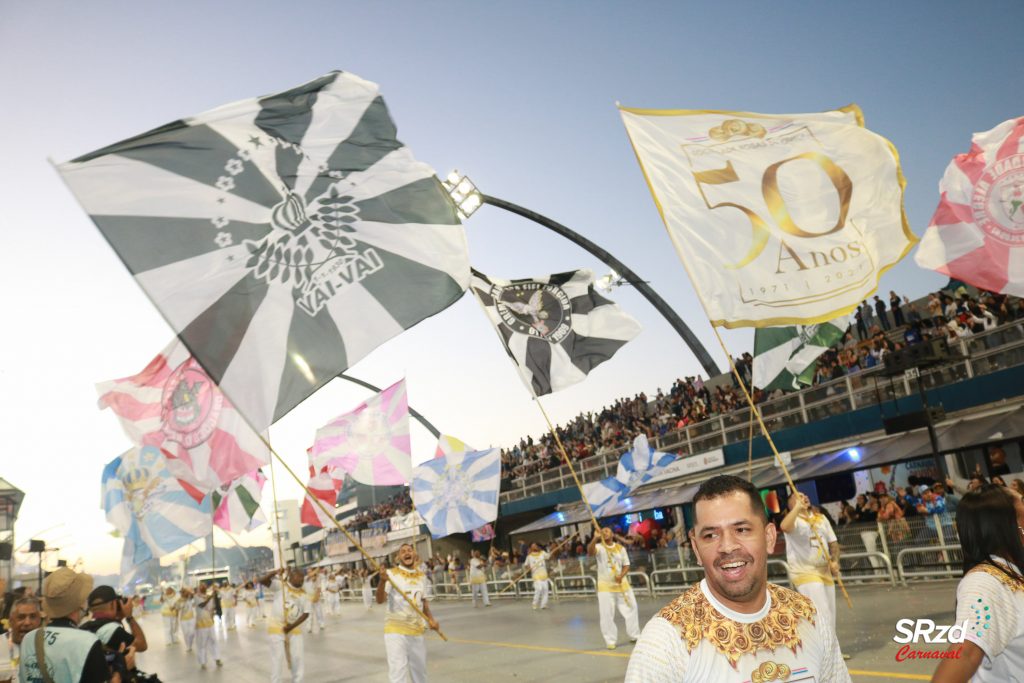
(878, 329)
(398, 504)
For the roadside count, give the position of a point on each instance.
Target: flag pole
(750, 449)
(280, 553)
(785, 471)
(373, 563)
(565, 456)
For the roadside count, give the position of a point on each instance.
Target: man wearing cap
(109, 614)
(70, 654)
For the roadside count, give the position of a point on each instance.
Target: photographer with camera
(69, 654)
(110, 612)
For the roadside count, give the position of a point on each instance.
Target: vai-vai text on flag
(779, 219)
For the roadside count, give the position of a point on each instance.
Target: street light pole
(626, 274)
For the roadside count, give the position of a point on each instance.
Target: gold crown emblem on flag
(731, 128)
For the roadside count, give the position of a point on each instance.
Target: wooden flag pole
(526, 569)
(750, 449)
(785, 471)
(373, 563)
(565, 456)
(280, 556)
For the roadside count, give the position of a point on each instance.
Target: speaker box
(5, 551)
(36, 546)
(915, 420)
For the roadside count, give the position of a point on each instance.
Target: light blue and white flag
(603, 495)
(641, 464)
(148, 506)
(459, 492)
(636, 467)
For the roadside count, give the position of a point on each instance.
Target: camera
(117, 664)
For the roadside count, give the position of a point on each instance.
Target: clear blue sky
(519, 95)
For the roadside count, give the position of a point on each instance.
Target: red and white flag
(325, 488)
(173, 405)
(371, 443)
(977, 232)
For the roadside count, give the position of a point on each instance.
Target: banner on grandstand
(555, 328)
(779, 219)
(408, 521)
(691, 464)
(786, 357)
(977, 232)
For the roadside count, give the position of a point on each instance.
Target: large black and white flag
(283, 237)
(555, 328)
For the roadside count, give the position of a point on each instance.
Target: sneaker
(220, 663)
(535, 607)
(846, 657)
(203, 667)
(610, 646)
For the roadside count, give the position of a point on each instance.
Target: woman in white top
(990, 597)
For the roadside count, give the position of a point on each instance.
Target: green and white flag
(784, 357)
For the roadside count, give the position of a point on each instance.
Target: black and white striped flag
(556, 328)
(283, 237)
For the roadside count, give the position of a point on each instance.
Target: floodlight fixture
(464, 194)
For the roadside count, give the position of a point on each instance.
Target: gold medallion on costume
(770, 671)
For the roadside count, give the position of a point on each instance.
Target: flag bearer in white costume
(206, 637)
(734, 626)
(613, 589)
(228, 602)
(316, 606)
(367, 588)
(536, 562)
(403, 627)
(332, 589)
(250, 596)
(284, 624)
(187, 617)
(169, 615)
(990, 596)
(478, 578)
(811, 573)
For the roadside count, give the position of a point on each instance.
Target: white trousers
(188, 632)
(607, 602)
(316, 614)
(540, 594)
(206, 646)
(407, 658)
(332, 603)
(824, 598)
(367, 597)
(229, 619)
(170, 626)
(250, 615)
(278, 661)
(481, 590)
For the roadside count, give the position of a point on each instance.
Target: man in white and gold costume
(613, 589)
(734, 626)
(536, 562)
(403, 626)
(810, 569)
(289, 608)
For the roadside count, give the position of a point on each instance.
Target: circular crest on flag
(452, 489)
(998, 200)
(369, 434)
(190, 405)
(143, 474)
(534, 308)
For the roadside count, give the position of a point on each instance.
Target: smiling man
(403, 625)
(735, 626)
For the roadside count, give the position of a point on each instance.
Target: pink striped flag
(371, 443)
(325, 488)
(174, 406)
(977, 232)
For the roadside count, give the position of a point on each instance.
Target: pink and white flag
(371, 443)
(325, 488)
(173, 405)
(236, 506)
(977, 232)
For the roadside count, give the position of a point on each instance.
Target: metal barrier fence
(985, 353)
(576, 584)
(940, 561)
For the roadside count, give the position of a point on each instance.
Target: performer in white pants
(536, 562)
(332, 594)
(403, 627)
(809, 570)
(252, 608)
(613, 589)
(169, 615)
(228, 602)
(367, 587)
(287, 613)
(187, 618)
(206, 638)
(316, 606)
(478, 578)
